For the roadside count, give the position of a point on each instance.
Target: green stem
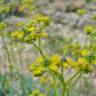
(39, 42)
(63, 85)
(2, 90)
(5, 45)
(55, 86)
(6, 49)
(73, 83)
(71, 78)
(39, 49)
(61, 78)
(67, 91)
(62, 68)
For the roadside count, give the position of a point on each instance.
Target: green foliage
(89, 1)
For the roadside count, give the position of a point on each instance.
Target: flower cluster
(37, 93)
(33, 30)
(90, 29)
(81, 12)
(81, 64)
(4, 8)
(80, 58)
(2, 26)
(43, 64)
(20, 6)
(77, 57)
(26, 5)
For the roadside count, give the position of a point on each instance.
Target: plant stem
(62, 68)
(6, 49)
(39, 42)
(71, 78)
(54, 82)
(4, 44)
(73, 83)
(64, 85)
(39, 49)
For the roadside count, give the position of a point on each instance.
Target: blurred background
(66, 28)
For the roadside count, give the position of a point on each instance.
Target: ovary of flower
(40, 60)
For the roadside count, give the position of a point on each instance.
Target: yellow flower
(82, 61)
(44, 34)
(40, 60)
(88, 29)
(4, 9)
(36, 93)
(55, 59)
(71, 63)
(84, 52)
(53, 67)
(54, 62)
(20, 24)
(20, 35)
(23, 7)
(94, 62)
(66, 65)
(15, 34)
(94, 17)
(10, 66)
(36, 70)
(84, 66)
(32, 29)
(70, 60)
(42, 18)
(81, 12)
(2, 26)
